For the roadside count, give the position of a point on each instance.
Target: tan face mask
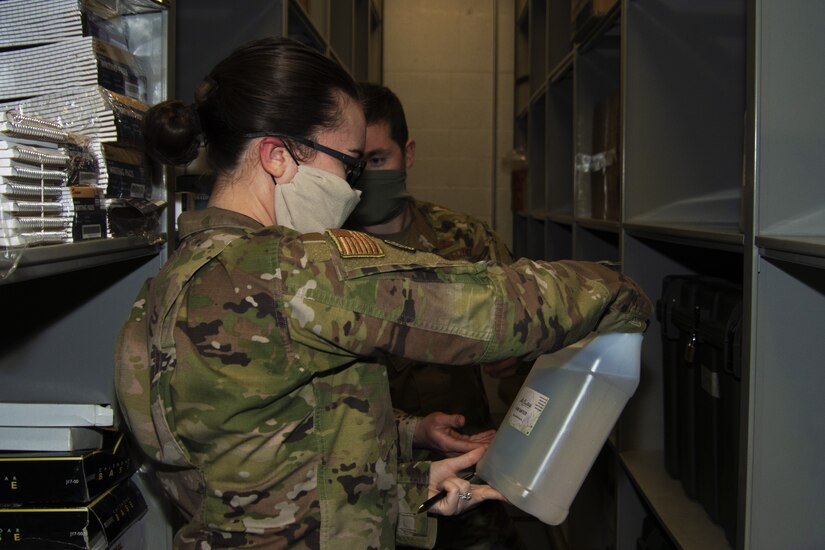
(314, 200)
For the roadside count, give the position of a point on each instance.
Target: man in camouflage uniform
(285, 437)
(387, 211)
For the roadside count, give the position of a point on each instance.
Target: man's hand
(437, 432)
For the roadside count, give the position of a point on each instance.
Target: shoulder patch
(354, 244)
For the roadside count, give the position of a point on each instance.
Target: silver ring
(465, 496)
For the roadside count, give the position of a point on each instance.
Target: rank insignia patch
(400, 246)
(353, 244)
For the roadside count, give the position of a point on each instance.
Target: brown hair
(270, 85)
(382, 105)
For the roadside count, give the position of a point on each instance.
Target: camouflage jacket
(420, 389)
(247, 371)
(452, 235)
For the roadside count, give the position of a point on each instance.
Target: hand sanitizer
(559, 422)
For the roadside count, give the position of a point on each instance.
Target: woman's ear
(274, 157)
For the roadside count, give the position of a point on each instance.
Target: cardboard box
(95, 525)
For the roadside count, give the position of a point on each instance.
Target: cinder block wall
(451, 63)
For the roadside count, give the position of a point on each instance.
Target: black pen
(427, 504)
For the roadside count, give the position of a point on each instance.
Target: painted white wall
(451, 64)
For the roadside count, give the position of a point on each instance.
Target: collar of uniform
(213, 218)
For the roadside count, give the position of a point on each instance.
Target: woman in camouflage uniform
(248, 370)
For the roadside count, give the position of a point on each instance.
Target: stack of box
(72, 62)
(66, 479)
(44, 172)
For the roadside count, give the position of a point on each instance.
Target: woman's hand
(437, 432)
(461, 494)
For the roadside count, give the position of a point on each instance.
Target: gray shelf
(45, 261)
(685, 520)
(684, 69)
(721, 124)
(607, 226)
(786, 490)
(561, 218)
(537, 37)
(719, 236)
(802, 249)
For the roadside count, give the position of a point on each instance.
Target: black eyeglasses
(353, 166)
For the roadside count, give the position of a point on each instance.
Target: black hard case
(701, 321)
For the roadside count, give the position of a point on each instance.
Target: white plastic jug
(559, 422)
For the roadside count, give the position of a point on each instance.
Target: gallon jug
(559, 422)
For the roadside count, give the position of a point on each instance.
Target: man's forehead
(379, 139)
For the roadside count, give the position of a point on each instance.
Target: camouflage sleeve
(414, 529)
(445, 312)
(405, 424)
(489, 247)
(132, 377)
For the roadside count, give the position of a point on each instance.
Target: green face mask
(383, 196)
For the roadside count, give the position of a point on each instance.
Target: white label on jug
(526, 410)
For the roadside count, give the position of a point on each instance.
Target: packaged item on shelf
(31, 154)
(51, 438)
(96, 525)
(73, 62)
(89, 110)
(34, 22)
(701, 321)
(135, 217)
(605, 168)
(89, 215)
(22, 129)
(130, 175)
(560, 421)
(56, 414)
(66, 476)
(102, 116)
(38, 160)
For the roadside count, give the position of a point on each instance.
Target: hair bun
(172, 132)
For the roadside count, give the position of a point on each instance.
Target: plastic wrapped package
(135, 218)
(133, 28)
(92, 111)
(129, 172)
(38, 159)
(28, 23)
(80, 61)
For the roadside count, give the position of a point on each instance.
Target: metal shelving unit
(54, 260)
(721, 121)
